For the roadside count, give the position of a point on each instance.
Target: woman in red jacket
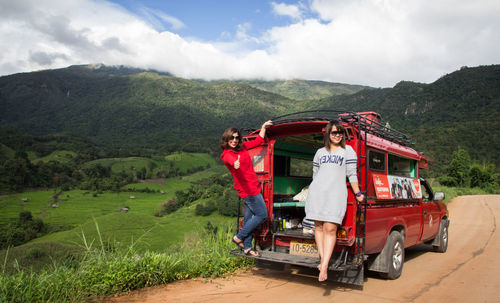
(238, 162)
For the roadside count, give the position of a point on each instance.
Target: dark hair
(328, 129)
(228, 133)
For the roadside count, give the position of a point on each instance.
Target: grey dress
(327, 197)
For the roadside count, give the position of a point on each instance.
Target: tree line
(461, 172)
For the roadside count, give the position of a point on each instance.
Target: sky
(368, 42)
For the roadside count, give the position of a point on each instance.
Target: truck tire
(395, 256)
(443, 238)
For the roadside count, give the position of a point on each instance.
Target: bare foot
(323, 273)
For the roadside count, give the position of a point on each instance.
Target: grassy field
(76, 213)
(142, 230)
(63, 156)
(181, 162)
(100, 272)
(186, 161)
(452, 192)
(79, 211)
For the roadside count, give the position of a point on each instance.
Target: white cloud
(157, 19)
(371, 42)
(283, 9)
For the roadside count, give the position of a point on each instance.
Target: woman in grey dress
(327, 198)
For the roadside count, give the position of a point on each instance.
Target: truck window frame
(371, 157)
(412, 171)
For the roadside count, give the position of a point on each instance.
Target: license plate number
(303, 249)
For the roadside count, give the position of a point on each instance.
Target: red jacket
(245, 178)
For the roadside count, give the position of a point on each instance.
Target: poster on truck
(396, 187)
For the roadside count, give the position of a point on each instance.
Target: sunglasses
(234, 138)
(337, 133)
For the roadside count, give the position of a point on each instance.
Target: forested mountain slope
(131, 110)
(304, 89)
(459, 110)
(126, 109)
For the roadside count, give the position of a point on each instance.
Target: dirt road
(468, 272)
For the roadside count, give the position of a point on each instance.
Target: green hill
(459, 110)
(140, 110)
(304, 90)
(126, 110)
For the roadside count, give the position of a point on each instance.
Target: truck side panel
(383, 217)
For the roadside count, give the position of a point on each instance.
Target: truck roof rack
(368, 122)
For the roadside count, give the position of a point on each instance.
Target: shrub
(447, 181)
(25, 229)
(205, 209)
(169, 206)
(481, 176)
(227, 204)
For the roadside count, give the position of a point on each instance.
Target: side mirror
(439, 195)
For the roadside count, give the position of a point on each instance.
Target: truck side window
(376, 160)
(427, 194)
(402, 166)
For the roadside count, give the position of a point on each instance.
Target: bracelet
(358, 194)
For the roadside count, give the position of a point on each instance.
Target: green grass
(34, 257)
(78, 209)
(181, 161)
(123, 164)
(185, 161)
(452, 192)
(6, 151)
(205, 174)
(12, 205)
(120, 229)
(172, 185)
(103, 273)
(64, 156)
(78, 206)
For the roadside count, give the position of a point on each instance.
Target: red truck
(400, 209)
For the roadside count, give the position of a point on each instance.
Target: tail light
(341, 233)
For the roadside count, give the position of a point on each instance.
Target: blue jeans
(255, 213)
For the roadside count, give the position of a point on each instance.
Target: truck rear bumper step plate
(345, 273)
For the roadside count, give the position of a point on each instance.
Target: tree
(459, 167)
(481, 176)
(227, 204)
(17, 172)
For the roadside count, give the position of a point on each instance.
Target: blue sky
(368, 42)
(210, 20)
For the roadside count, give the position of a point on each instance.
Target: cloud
(283, 9)
(371, 42)
(46, 59)
(157, 19)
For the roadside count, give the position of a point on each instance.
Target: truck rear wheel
(395, 255)
(443, 238)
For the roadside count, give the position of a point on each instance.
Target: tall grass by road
(104, 272)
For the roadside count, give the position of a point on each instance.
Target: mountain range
(131, 109)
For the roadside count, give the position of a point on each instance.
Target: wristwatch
(358, 194)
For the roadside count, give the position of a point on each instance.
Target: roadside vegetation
(99, 270)
(463, 177)
(74, 228)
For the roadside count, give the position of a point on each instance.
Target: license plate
(304, 249)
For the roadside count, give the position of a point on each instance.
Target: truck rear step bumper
(345, 273)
